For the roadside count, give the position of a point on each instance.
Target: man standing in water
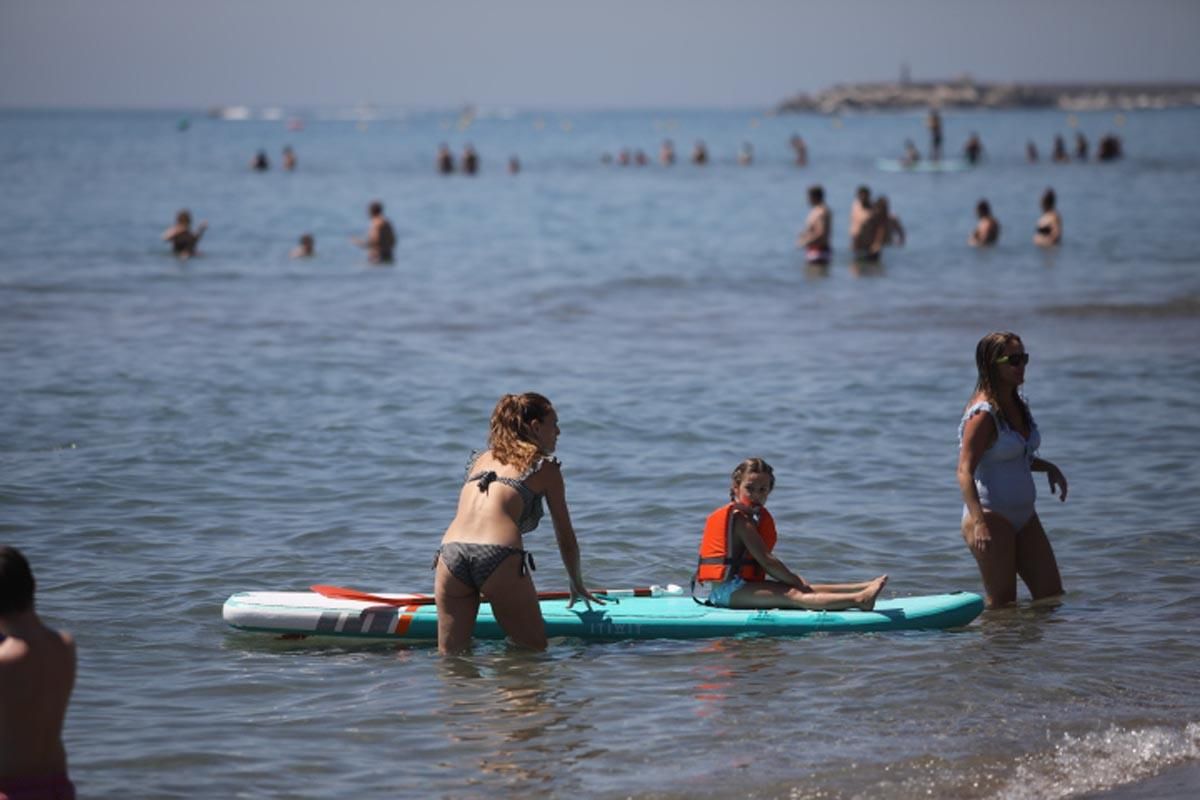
(37, 673)
(815, 237)
(934, 123)
(381, 239)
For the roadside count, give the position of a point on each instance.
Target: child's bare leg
(771, 594)
(847, 587)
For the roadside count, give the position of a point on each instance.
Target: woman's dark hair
(16, 581)
(1048, 200)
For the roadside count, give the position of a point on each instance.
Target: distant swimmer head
(983, 209)
(183, 217)
(816, 194)
(17, 585)
(746, 473)
(864, 195)
(375, 209)
(521, 429)
(1048, 200)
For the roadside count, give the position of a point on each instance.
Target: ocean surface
(172, 433)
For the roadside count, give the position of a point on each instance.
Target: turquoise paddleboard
(669, 614)
(924, 165)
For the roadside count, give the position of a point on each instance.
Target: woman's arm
(978, 433)
(564, 531)
(758, 549)
(1053, 474)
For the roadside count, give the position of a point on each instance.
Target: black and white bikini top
(532, 512)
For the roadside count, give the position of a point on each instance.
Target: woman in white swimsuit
(998, 442)
(500, 502)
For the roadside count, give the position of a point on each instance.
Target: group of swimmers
(873, 226)
(469, 163)
(1109, 148)
(699, 156)
(260, 162)
(379, 242)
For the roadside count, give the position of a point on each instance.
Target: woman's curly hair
(511, 439)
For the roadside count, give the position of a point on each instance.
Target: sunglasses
(1016, 359)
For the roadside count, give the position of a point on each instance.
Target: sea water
(175, 432)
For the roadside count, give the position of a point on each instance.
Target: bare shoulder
(547, 475)
(979, 421)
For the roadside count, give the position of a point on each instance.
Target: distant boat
(235, 113)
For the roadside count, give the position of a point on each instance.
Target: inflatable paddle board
(924, 165)
(666, 614)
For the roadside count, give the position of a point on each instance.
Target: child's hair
(990, 348)
(750, 465)
(16, 581)
(511, 438)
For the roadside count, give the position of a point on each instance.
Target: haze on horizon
(564, 54)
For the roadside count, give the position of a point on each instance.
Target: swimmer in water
(445, 160)
(800, 150)
(860, 212)
(381, 238)
(815, 238)
(1049, 224)
(307, 247)
(934, 123)
(666, 153)
(37, 675)
(987, 230)
(181, 236)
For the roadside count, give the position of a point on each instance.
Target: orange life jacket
(722, 553)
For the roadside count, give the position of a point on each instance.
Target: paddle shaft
(342, 593)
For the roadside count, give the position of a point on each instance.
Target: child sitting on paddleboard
(736, 557)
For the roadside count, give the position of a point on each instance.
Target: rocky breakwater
(969, 94)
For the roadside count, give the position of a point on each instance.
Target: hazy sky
(562, 53)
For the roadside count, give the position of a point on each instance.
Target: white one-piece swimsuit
(1003, 476)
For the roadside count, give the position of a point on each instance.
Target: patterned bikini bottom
(474, 563)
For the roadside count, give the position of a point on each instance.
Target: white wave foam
(1099, 761)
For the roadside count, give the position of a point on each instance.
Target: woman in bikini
(1049, 224)
(501, 500)
(998, 442)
